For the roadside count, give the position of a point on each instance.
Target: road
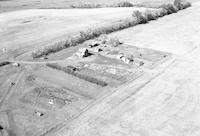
(165, 102)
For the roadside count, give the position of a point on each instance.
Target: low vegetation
(70, 70)
(3, 63)
(113, 41)
(120, 4)
(124, 4)
(86, 6)
(141, 19)
(136, 18)
(181, 5)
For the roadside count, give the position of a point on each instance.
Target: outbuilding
(16, 64)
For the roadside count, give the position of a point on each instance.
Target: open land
(146, 83)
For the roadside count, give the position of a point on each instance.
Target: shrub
(186, 5)
(114, 42)
(162, 12)
(83, 36)
(30, 78)
(86, 6)
(181, 4)
(149, 15)
(124, 4)
(170, 8)
(102, 38)
(140, 17)
(70, 70)
(178, 4)
(3, 63)
(136, 18)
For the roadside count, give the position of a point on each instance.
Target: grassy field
(38, 100)
(27, 30)
(12, 5)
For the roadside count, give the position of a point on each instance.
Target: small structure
(51, 101)
(120, 56)
(138, 63)
(86, 65)
(4, 49)
(94, 44)
(126, 60)
(96, 50)
(16, 64)
(83, 52)
(39, 113)
(123, 58)
(12, 83)
(45, 57)
(67, 101)
(73, 68)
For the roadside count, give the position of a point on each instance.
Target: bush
(186, 5)
(178, 4)
(3, 63)
(170, 8)
(124, 4)
(114, 42)
(140, 17)
(136, 18)
(162, 12)
(86, 6)
(102, 38)
(83, 36)
(149, 15)
(181, 4)
(70, 70)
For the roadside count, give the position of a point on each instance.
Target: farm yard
(74, 83)
(99, 70)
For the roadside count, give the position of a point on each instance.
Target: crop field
(99, 67)
(20, 29)
(10, 5)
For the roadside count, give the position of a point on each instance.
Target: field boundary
(136, 18)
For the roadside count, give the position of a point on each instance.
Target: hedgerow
(3, 63)
(69, 70)
(136, 18)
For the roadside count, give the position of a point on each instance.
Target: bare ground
(13, 5)
(164, 102)
(28, 29)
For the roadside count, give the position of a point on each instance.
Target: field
(25, 30)
(47, 94)
(10, 5)
(99, 71)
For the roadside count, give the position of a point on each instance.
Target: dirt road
(165, 105)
